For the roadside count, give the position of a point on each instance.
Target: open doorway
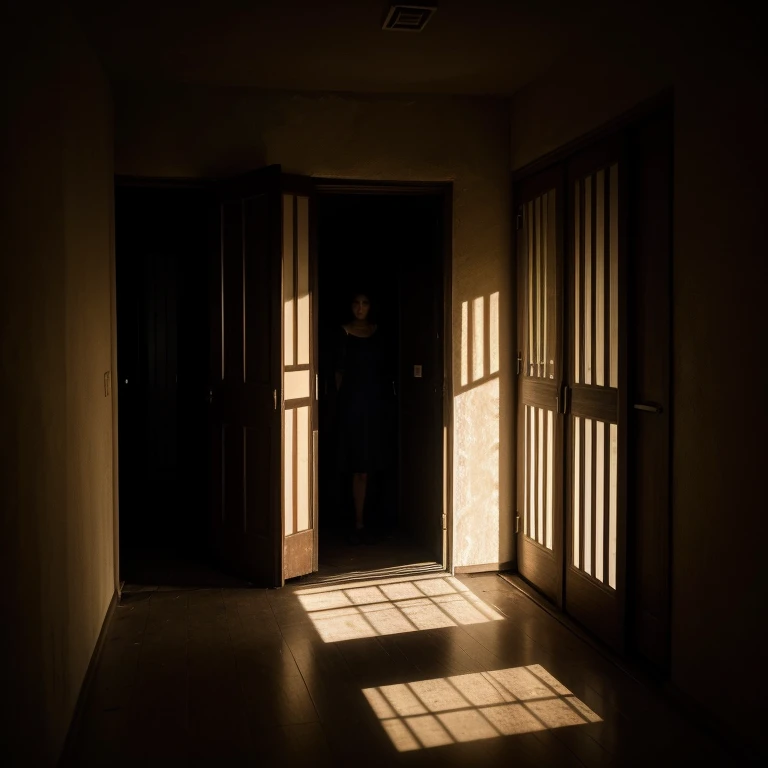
(178, 258)
(391, 247)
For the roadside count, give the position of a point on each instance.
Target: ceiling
(488, 47)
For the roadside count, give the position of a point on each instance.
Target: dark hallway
(621, 148)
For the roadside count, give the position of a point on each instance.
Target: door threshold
(410, 570)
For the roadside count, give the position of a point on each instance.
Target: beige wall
(719, 283)
(208, 132)
(56, 475)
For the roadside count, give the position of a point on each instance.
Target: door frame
(444, 191)
(329, 186)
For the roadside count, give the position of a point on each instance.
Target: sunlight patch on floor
(392, 606)
(482, 705)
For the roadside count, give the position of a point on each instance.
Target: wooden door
(596, 433)
(263, 437)
(612, 201)
(540, 369)
(298, 367)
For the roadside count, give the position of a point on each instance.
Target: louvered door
(540, 423)
(596, 423)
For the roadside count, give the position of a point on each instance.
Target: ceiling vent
(408, 18)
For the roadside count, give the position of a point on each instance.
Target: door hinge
(274, 399)
(562, 399)
(517, 523)
(445, 522)
(519, 362)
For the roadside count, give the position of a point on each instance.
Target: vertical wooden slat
(607, 503)
(593, 312)
(529, 238)
(537, 217)
(607, 280)
(582, 292)
(544, 287)
(614, 289)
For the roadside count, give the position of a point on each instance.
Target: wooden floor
(425, 670)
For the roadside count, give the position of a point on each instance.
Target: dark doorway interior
(391, 247)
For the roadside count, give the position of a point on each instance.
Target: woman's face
(361, 306)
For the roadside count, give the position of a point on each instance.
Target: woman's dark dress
(360, 402)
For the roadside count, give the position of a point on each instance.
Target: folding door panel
(299, 412)
(540, 428)
(596, 429)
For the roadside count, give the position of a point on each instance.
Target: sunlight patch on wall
(476, 475)
(476, 436)
(482, 705)
(369, 609)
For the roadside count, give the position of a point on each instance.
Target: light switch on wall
(416, 371)
(107, 383)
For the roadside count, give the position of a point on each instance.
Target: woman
(359, 382)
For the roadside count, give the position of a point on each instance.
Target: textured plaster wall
(56, 547)
(192, 131)
(719, 283)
